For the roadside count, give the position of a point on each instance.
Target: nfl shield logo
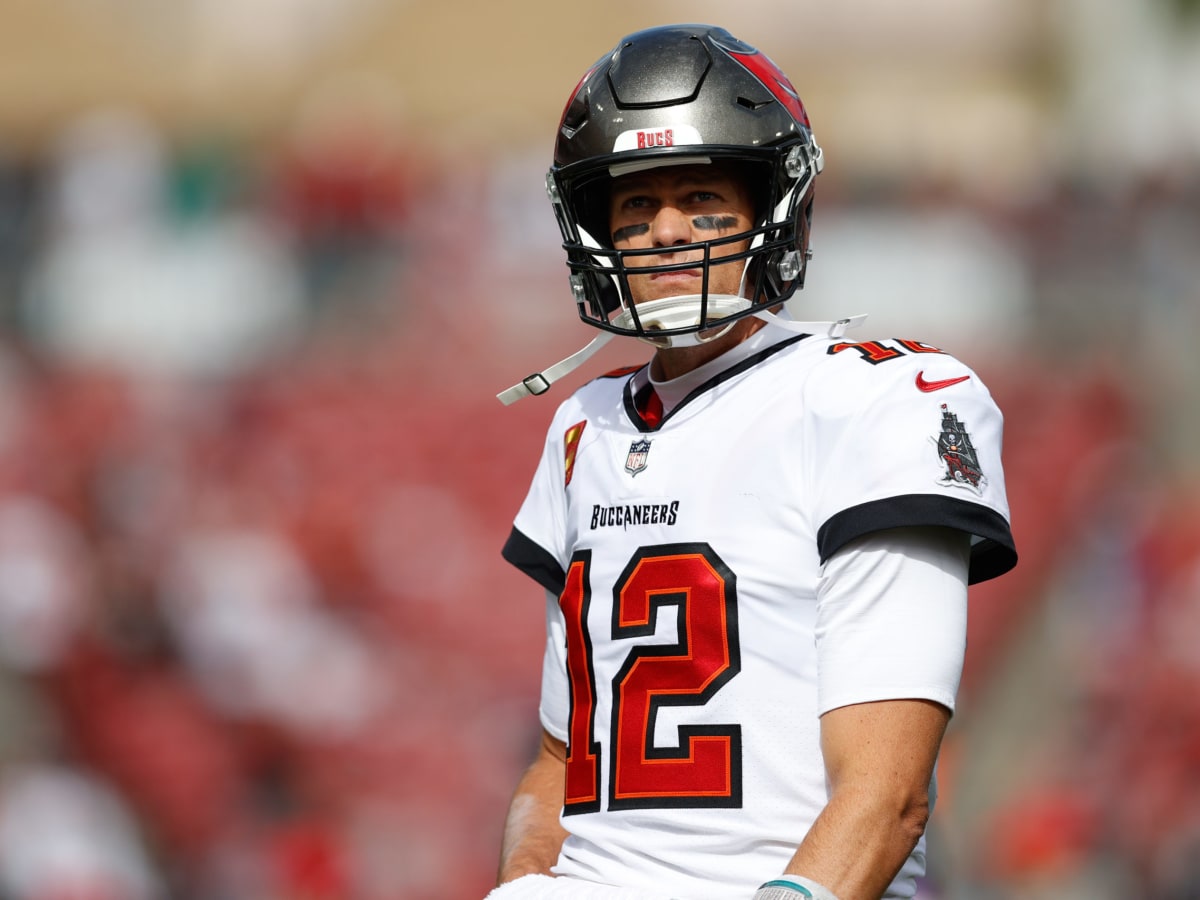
(636, 460)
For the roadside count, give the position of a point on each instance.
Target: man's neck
(673, 362)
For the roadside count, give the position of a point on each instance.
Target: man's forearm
(880, 759)
(856, 846)
(533, 834)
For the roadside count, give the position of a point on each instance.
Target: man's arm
(533, 834)
(879, 758)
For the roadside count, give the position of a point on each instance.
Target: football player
(755, 559)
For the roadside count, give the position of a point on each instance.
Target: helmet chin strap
(539, 382)
(834, 329)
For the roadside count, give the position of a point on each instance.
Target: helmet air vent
(751, 103)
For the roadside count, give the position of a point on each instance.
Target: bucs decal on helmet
(958, 455)
(639, 451)
(657, 136)
(571, 442)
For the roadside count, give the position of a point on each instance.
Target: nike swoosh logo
(929, 386)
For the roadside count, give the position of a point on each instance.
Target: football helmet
(680, 95)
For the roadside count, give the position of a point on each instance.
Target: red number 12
(705, 766)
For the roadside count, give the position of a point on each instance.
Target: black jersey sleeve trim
(532, 559)
(993, 551)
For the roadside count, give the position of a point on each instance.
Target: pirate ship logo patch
(959, 460)
(639, 451)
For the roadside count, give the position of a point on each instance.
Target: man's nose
(670, 227)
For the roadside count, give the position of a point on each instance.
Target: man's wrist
(793, 887)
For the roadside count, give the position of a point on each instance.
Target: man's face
(673, 205)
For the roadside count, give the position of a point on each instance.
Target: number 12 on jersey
(704, 767)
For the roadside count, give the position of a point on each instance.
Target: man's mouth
(676, 273)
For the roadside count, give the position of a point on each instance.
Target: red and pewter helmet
(679, 95)
(682, 95)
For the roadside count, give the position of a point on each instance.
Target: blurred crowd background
(264, 266)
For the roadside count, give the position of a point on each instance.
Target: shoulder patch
(958, 456)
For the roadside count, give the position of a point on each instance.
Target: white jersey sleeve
(537, 543)
(892, 618)
(913, 440)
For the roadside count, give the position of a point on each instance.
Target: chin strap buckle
(536, 384)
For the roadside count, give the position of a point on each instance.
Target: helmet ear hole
(596, 292)
(604, 297)
(593, 278)
(591, 208)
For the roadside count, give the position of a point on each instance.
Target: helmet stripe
(770, 75)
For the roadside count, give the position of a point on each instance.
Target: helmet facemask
(773, 258)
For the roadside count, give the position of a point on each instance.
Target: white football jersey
(681, 666)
